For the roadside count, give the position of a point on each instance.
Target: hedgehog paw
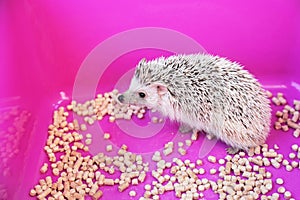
(232, 150)
(185, 128)
(210, 136)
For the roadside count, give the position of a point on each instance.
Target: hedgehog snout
(121, 98)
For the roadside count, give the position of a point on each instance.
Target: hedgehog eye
(142, 94)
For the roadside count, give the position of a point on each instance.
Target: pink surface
(81, 48)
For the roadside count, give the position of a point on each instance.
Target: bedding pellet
(184, 178)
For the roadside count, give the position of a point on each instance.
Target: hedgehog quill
(204, 93)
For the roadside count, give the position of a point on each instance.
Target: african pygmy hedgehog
(204, 92)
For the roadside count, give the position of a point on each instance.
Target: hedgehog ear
(161, 89)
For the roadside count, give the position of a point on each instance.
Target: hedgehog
(206, 93)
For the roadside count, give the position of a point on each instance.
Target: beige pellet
(188, 142)
(212, 171)
(88, 141)
(282, 100)
(268, 175)
(168, 151)
(201, 171)
(281, 190)
(124, 147)
(199, 162)
(294, 164)
(292, 155)
(228, 166)
(276, 147)
(181, 151)
(212, 159)
(276, 101)
(277, 125)
(296, 133)
(44, 193)
(109, 148)
(44, 168)
(295, 117)
(285, 128)
(108, 181)
(292, 124)
(147, 187)
(270, 154)
(142, 177)
(285, 162)
(156, 156)
(32, 193)
(295, 147)
(269, 94)
(257, 150)
(55, 171)
(83, 127)
(279, 181)
(275, 163)
(97, 195)
(106, 136)
(112, 119)
(194, 136)
(287, 195)
(288, 168)
(154, 120)
(180, 144)
(132, 193)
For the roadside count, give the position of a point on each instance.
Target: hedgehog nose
(121, 98)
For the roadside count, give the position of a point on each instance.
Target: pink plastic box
(52, 51)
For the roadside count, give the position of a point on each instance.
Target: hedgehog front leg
(232, 150)
(184, 128)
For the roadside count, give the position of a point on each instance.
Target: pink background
(44, 43)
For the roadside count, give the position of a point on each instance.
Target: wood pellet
(237, 176)
(73, 166)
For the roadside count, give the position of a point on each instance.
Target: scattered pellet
(201, 171)
(285, 128)
(88, 141)
(154, 120)
(287, 195)
(295, 147)
(180, 144)
(212, 171)
(221, 161)
(183, 178)
(182, 151)
(132, 193)
(288, 168)
(109, 148)
(212, 159)
(296, 133)
(83, 127)
(188, 142)
(123, 186)
(281, 190)
(44, 168)
(106, 136)
(279, 181)
(269, 94)
(292, 155)
(276, 147)
(147, 187)
(199, 162)
(194, 135)
(276, 101)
